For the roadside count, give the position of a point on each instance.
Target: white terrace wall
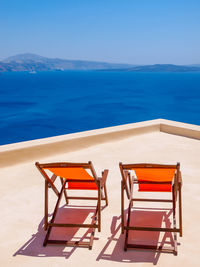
(29, 151)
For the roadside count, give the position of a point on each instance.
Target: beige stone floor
(21, 205)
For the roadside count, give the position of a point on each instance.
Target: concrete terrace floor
(22, 201)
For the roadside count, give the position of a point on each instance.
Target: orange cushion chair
(73, 176)
(151, 178)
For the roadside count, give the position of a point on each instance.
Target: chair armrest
(126, 173)
(104, 177)
(180, 181)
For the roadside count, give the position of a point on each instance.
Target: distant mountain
(32, 62)
(163, 68)
(22, 58)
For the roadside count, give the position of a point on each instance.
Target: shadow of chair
(114, 248)
(34, 246)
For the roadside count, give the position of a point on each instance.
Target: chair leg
(180, 212)
(128, 224)
(122, 207)
(53, 217)
(46, 206)
(99, 207)
(174, 194)
(93, 232)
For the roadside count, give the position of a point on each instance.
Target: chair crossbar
(135, 181)
(152, 200)
(71, 225)
(86, 198)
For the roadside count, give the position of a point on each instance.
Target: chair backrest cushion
(78, 176)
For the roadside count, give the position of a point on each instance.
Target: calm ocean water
(53, 103)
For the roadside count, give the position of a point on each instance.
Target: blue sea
(46, 104)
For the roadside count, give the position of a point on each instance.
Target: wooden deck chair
(73, 176)
(151, 178)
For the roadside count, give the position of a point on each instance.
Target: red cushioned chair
(73, 176)
(151, 178)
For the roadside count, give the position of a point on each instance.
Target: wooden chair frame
(127, 185)
(49, 183)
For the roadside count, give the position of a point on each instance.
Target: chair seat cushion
(155, 175)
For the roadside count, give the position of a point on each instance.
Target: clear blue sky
(126, 31)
